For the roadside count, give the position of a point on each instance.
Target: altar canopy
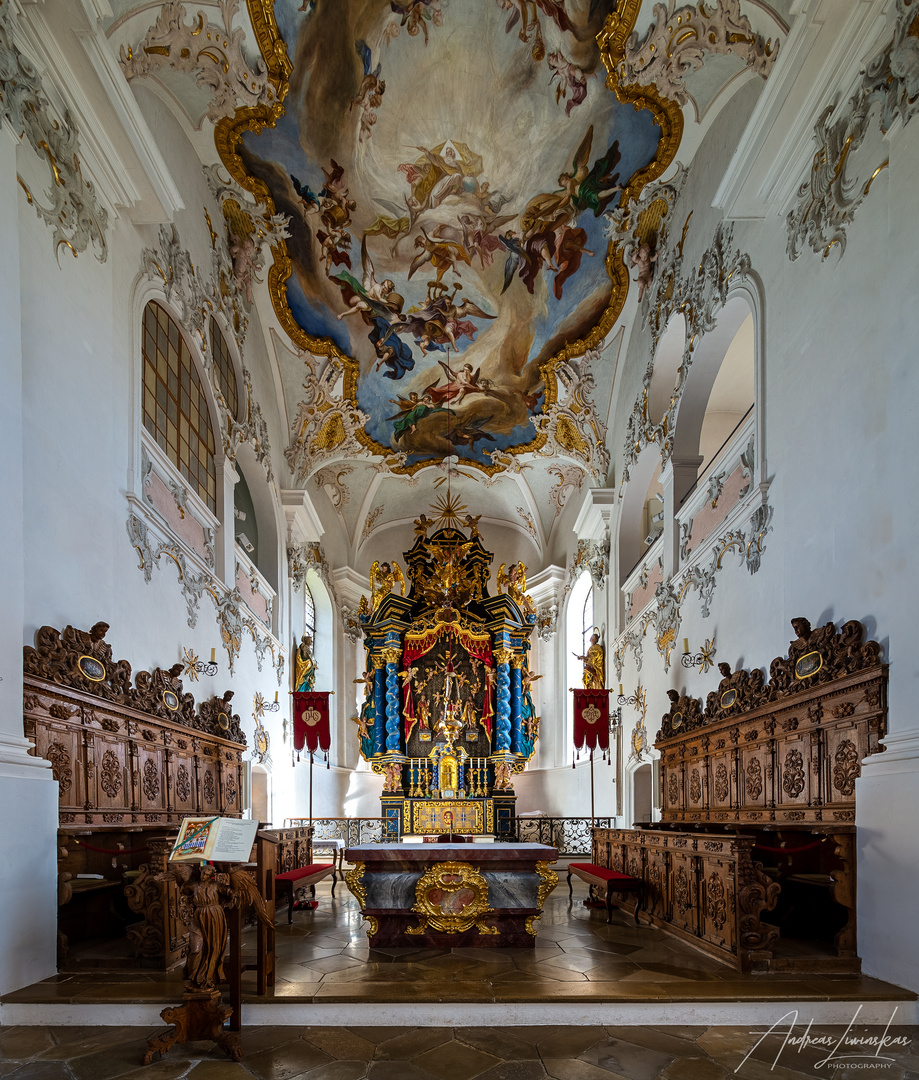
(448, 717)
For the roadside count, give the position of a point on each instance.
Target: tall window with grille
(175, 409)
(226, 373)
(309, 613)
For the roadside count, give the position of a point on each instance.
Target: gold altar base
(500, 930)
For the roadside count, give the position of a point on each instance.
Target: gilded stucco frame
(667, 115)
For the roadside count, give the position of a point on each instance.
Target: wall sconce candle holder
(195, 667)
(704, 659)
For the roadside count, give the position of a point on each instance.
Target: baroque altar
(447, 717)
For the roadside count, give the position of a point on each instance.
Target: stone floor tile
(341, 1043)
(326, 964)
(697, 1068)
(169, 1068)
(373, 1034)
(338, 1070)
(570, 1042)
(43, 1070)
(505, 1043)
(665, 1042)
(409, 1044)
(286, 1061)
(455, 1061)
(24, 1042)
(567, 1069)
(629, 1059)
(550, 969)
(219, 1070)
(397, 1070)
(515, 1070)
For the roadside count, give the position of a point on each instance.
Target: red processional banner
(591, 718)
(311, 720)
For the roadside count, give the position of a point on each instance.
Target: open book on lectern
(214, 839)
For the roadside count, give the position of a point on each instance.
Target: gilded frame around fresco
(667, 115)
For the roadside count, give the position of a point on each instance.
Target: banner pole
(592, 789)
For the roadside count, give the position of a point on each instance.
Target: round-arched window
(175, 409)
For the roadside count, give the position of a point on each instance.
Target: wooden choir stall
(132, 758)
(754, 860)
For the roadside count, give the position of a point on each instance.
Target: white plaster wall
(841, 380)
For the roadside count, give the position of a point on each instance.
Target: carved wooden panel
(799, 739)
(117, 767)
(702, 887)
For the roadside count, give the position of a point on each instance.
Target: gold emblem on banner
(591, 714)
(311, 717)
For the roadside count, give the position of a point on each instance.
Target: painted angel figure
(370, 297)
(383, 578)
(370, 94)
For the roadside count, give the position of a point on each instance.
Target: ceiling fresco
(446, 166)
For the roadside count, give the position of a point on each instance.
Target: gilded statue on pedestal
(304, 665)
(383, 579)
(594, 664)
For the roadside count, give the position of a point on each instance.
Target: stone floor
(520, 1053)
(324, 958)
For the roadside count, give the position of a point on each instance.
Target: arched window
(226, 374)
(309, 612)
(174, 406)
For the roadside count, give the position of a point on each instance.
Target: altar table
(451, 895)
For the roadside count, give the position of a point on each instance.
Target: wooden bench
(611, 880)
(286, 884)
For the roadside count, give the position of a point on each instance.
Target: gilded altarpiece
(448, 718)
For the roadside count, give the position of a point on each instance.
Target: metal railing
(355, 830)
(571, 835)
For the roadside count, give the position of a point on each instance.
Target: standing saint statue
(304, 665)
(594, 664)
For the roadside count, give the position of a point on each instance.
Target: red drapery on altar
(591, 718)
(478, 646)
(311, 720)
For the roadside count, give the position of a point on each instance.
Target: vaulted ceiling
(447, 290)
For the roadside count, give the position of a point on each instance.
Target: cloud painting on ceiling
(446, 165)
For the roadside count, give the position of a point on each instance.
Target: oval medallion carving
(722, 786)
(183, 784)
(60, 765)
(715, 907)
(846, 768)
(93, 669)
(151, 780)
(793, 774)
(754, 779)
(808, 665)
(110, 780)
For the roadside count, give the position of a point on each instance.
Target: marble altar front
(451, 895)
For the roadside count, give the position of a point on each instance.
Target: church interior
(553, 687)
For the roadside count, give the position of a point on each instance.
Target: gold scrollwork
(530, 924)
(353, 881)
(452, 897)
(549, 881)
(374, 925)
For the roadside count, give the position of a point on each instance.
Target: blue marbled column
(379, 712)
(392, 707)
(516, 712)
(503, 709)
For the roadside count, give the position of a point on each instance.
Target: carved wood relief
(795, 743)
